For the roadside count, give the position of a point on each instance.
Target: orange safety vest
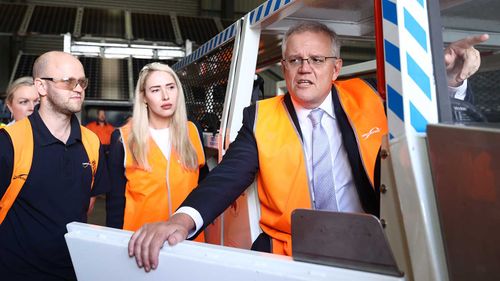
(21, 135)
(103, 132)
(282, 180)
(152, 196)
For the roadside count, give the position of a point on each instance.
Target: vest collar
(291, 110)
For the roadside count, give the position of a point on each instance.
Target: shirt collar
(327, 106)
(45, 137)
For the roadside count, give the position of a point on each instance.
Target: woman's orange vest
(152, 196)
(21, 135)
(282, 180)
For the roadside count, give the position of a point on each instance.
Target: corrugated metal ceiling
(186, 7)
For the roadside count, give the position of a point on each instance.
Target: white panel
(100, 253)
(391, 213)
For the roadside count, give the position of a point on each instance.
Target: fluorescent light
(100, 44)
(85, 49)
(157, 47)
(112, 50)
(171, 53)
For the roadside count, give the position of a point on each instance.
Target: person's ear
(9, 106)
(337, 66)
(40, 87)
(283, 68)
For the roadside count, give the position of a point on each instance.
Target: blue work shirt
(57, 191)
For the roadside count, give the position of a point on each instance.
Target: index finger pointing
(471, 41)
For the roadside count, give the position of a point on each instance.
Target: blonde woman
(22, 97)
(155, 159)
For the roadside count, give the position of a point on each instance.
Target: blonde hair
(139, 137)
(16, 84)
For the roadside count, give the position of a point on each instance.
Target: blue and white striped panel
(219, 39)
(266, 9)
(408, 65)
(394, 90)
(418, 77)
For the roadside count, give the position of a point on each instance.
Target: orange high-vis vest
(282, 180)
(152, 196)
(21, 135)
(103, 132)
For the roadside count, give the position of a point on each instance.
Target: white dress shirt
(458, 92)
(344, 188)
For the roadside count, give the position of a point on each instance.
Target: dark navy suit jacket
(240, 164)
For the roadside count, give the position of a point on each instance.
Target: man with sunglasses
(50, 167)
(315, 147)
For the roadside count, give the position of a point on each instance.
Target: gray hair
(316, 27)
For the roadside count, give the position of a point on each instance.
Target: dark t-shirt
(57, 191)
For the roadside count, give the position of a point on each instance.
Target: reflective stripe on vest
(21, 135)
(154, 195)
(282, 180)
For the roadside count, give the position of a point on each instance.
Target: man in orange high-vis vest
(101, 128)
(50, 168)
(276, 145)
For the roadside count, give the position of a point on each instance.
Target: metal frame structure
(98, 46)
(412, 74)
(412, 104)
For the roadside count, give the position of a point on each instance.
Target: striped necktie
(324, 190)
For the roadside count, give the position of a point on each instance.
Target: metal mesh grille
(12, 16)
(198, 30)
(486, 89)
(92, 68)
(52, 20)
(103, 23)
(138, 64)
(108, 78)
(152, 27)
(204, 84)
(25, 66)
